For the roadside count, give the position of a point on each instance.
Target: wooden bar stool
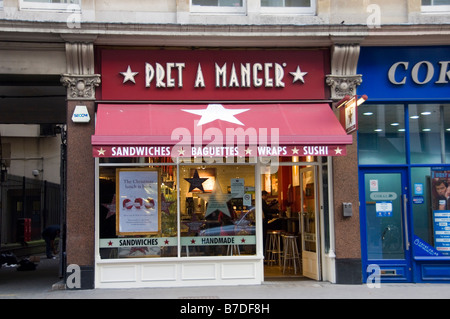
(291, 257)
(273, 244)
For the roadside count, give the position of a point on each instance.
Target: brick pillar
(347, 229)
(80, 190)
(343, 81)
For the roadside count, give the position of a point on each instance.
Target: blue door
(385, 239)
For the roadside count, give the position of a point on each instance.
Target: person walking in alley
(49, 234)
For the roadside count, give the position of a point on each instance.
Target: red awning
(126, 130)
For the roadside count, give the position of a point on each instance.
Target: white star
(338, 150)
(298, 75)
(101, 151)
(181, 152)
(217, 112)
(295, 150)
(129, 75)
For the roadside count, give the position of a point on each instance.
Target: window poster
(440, 196)
(137, 195)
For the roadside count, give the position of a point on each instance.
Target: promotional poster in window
(440, 196)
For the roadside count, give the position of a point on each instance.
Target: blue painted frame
(405, 264)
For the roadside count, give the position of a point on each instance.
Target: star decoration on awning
(298, 75)
(101, 151)
(196, 182)
(217, 112)
(111, 207)
(181, 152)
(338, 150)
(129, 75)
(217, 200)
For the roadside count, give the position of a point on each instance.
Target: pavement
(44, 283)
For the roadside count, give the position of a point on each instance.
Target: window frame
(218, 9)
(435, 8)
(46, 6)
(291, 10)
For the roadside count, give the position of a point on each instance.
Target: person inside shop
(268, 208)
(49, 234)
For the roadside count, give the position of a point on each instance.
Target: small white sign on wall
(80, 114)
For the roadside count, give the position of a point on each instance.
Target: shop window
(381, 134)
(431, 214)
(425, 131)
(218, 6)
(446, 130)
(138, 211)
(217, 206)
(147, 210)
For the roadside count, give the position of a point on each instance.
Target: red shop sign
(213, 75)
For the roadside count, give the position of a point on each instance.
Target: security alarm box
(347, 209)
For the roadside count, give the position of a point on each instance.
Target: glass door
(310, 223)
(384, 223)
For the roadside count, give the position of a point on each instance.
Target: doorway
(384, 223)
(292, 242)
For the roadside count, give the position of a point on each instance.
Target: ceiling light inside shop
(395, 124)
(378, 130)
(401, 129)
(368, 113)
(426, 130)
(414, 117)
(425, 113)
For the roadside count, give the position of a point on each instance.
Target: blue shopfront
(404, 163)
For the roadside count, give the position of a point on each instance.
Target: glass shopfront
(202, 210)
(403, 153)
(155, 208)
